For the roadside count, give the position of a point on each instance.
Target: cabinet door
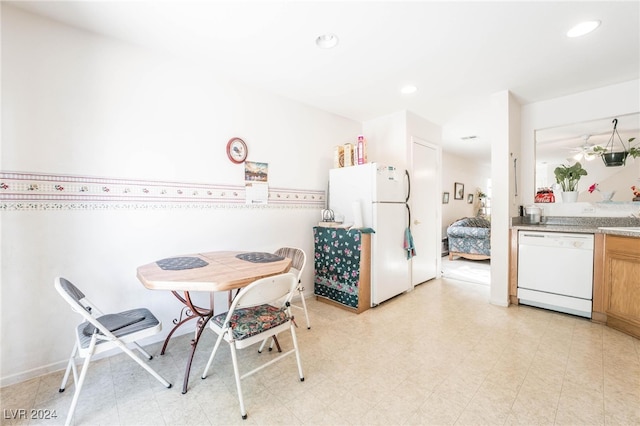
(622, 283)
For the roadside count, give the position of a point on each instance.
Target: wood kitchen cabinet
(598, 311)
(621, 283)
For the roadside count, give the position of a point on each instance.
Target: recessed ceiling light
(583, 28)
(408, 89)
(327, 41)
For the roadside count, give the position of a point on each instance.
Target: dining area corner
(209, 272)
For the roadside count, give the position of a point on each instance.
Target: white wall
(422, 129)
(79, 104)
(505, 148)
(390, 136)
(387, 139)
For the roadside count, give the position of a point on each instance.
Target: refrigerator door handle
(406, 172)
(409, 215)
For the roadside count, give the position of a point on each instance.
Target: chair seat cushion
(142, 317)
(113, 322)
(247, 322)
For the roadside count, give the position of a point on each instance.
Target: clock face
(237, 150)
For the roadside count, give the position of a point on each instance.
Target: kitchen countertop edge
(583, 225)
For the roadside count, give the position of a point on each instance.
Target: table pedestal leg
(275, 340)
(191, 311)
(202, 323)
(178, 323)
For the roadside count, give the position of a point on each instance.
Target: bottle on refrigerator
(361, 150)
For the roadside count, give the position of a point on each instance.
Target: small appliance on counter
(329, 220)
(328, 215)
(532, 215)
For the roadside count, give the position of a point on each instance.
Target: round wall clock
(237, 150)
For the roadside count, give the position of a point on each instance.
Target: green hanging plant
(613, 157)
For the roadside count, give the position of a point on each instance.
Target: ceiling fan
(584, 151)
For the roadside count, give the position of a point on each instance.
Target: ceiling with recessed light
(457, 54)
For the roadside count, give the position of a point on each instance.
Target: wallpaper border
(46, 191)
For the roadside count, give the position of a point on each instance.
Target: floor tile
(439, 355)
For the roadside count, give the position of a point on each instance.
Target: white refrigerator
(376, 195)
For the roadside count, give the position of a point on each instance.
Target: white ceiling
(456, 53)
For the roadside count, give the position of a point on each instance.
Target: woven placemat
(179, 263)
(259, 257)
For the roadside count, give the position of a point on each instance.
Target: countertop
(584, 225)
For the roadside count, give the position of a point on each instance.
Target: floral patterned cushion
(247, 322)
(470, 235)
(472, 222)
(464, 232)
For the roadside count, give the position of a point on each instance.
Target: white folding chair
(254, 316)
(298, 261)
(100, 332)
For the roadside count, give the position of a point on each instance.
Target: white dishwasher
(555, 271)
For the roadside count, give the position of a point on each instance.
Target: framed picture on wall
(445, 197)
(470, 198)
(458, 191)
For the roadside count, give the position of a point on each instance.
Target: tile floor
(476, 271)
(436, 356)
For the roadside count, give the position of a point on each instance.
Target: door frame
(437, 199)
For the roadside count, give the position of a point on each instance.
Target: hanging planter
(614, 159)
(618, 157)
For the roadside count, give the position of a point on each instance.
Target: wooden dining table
(210, 272)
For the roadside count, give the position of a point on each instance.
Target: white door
(426, 211)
